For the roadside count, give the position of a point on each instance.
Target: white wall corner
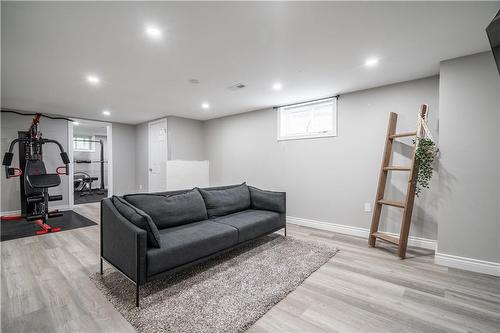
(468, 264)
(356, 231)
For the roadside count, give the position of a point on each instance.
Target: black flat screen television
(493, 32)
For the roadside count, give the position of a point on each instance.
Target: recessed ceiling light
(93, 79)
(205, 105)
(370, 62)
(76, 123)
(277, 86)
(106, 112)
(153, 32)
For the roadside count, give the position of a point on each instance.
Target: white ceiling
(314, 49)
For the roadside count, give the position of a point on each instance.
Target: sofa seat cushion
(224, 201)
(186, 243)
(252, 223)
(171, 210)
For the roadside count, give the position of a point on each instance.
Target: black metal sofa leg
(138, 270)
(101, 267)
(137, 295)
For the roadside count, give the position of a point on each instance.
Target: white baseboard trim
(356, 231)
(468, 264)
(18, 212)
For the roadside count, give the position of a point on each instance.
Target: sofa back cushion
(171, 210)
(140, 219)
(226, 200)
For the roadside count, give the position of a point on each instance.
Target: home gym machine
(34, 179)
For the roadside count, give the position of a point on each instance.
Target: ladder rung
(396, 168)
(386, 237)
(391, 203)
(400, 135)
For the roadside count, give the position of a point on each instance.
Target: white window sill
(304, 137)
(84, 150)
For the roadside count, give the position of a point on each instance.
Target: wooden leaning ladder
(407, 205)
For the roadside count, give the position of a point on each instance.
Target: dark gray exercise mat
(12, 229)
(95, 196)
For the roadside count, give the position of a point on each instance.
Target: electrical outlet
(368, 207)
(140, 186)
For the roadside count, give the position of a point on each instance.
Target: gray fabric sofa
(147, 236)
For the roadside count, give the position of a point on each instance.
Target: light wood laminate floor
(45, 288)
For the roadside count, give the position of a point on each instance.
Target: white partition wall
(187, 174)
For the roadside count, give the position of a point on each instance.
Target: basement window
(316, 119)
(84, 143)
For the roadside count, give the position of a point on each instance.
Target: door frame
(162, 120)
(109, 149)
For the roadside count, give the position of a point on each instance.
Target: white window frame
(92, 144)
(326, 134)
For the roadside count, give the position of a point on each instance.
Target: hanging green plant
(424, 157)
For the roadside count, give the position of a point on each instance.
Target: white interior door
(157, 173)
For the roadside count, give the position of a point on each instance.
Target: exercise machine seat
(47, 180)
(38, 178)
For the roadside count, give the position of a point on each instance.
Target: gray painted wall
(124, 158)
(185, 139)
(469, 172)
(329, 179)
(53, 129)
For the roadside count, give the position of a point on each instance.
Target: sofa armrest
(123, 244)
(268, 200)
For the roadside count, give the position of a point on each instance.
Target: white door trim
(109, 139)
(149, 148)
(71, 187)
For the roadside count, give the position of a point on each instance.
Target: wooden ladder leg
(410, 193)
(405, 225)
(377, 208)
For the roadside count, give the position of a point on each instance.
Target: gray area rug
(226, 294)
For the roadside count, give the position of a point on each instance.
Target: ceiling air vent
(237, 86)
